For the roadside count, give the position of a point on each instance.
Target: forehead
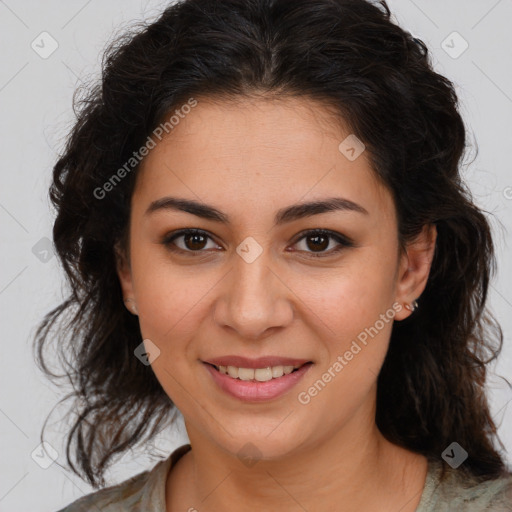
(258, 152)
(289, 127)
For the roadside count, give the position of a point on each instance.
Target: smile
(256, 384)
(258, 374)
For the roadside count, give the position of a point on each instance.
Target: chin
(259, 442)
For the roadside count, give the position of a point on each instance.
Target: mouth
(256, 384)
(258, 374)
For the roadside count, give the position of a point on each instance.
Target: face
(263, 283)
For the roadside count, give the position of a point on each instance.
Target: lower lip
(254, 391)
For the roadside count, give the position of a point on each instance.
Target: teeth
(245, 373)
(232, 372)
(259, 374)
(263, 374)
(277, 371)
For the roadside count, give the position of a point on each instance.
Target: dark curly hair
(379, 79)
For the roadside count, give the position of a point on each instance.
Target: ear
(125, 278)
(414, 269)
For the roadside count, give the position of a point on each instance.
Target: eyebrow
(284, 215)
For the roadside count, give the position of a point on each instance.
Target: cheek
(359, 318)
(352, 298)
(356, 309)
(172, 301)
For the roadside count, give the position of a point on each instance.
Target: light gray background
(35, 100)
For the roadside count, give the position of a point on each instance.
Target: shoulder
(124, 496)
(142, 492)
(457, 490)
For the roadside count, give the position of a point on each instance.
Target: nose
(254, 300)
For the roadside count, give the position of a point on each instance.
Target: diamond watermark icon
(249, 249)
(44, 45)
(44, 455)
(249, 454)
(351, 147)
(454, 45)
(43, 250)
(146, 352)
(454, 455)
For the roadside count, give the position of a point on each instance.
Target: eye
(195, 241)
(320, 239)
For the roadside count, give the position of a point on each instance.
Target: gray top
(145, 492)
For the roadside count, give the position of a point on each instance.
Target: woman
(263, 224)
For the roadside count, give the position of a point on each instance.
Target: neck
(354, 468)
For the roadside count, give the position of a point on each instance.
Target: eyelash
(342, 240)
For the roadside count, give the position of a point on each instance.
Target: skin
(250, 159)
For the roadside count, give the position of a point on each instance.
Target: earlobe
(413, 306)
(125, 278)
(415, 265)
(131, 305)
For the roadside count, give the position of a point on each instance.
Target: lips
(260, 362)
(256, 380)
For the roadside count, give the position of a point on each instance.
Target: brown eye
(194, 241)
(191, 241)
(317, 241)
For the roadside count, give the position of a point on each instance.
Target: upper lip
(260, 362)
